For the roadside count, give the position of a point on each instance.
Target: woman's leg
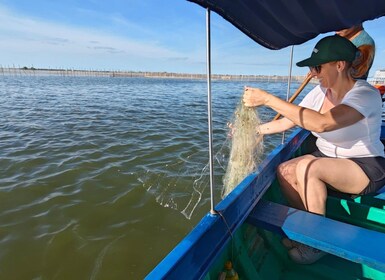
(287, 177)
(310, 179)
(314, 173)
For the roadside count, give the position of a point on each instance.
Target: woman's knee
(289, 167)
(306, 167)
(283, 168)
(286, 176)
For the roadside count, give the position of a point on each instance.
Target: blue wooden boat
(247, 226)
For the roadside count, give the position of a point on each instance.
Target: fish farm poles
(210, 129)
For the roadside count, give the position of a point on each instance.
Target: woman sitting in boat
(345, 116)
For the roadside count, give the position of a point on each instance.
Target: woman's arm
(275, 126)
(338, 117)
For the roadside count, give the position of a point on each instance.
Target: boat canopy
(276, 24)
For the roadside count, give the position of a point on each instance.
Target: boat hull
(256, 250)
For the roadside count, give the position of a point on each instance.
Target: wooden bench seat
(365, 211)
(347, 241)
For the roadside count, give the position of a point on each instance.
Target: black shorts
(374, 168)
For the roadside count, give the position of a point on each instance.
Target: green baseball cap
(331, 48)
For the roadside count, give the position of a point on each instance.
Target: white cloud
(115, 42)
(22, 36)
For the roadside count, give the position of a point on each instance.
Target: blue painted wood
(381, 194)
(194, 255)
(344, 240)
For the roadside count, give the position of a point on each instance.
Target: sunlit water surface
(101, 177)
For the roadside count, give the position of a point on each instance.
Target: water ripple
(95, 172)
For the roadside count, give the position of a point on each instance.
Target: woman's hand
(253, 97)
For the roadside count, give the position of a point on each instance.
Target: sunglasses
(317, 68)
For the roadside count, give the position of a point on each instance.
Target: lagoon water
(101, 177)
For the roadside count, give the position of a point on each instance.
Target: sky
(141, 35)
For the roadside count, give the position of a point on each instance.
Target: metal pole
(288, 83)
(210, 130)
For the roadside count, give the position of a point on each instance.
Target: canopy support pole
(210, 129)
(289, 83)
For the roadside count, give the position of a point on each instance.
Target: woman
(345, 116)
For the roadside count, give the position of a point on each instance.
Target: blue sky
(140, 35)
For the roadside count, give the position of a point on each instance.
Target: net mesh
(246, 147)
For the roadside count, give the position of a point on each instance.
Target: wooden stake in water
(246, 147)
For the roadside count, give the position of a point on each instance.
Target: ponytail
(363, 61)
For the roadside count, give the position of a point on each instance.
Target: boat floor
(258, 253)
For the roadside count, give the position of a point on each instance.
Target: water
(96, 174)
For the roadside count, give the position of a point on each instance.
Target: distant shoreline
(139, 74)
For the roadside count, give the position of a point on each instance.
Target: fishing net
(170, 183)
(246, 147)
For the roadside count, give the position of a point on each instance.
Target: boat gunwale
(192, 257)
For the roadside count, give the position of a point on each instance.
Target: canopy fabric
(276, 24)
